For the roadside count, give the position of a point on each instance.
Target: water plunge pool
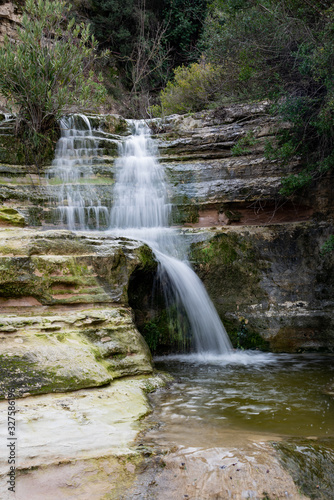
(253, 392)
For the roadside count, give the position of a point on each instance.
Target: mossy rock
(244, 337)
(14, 151)
(11, 217)
(114, 124)
(185, 214)
(58, 267)
(69, 350)
(311, 465)
(42, 363)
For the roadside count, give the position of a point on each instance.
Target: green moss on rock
(115, 124)
(69, 350)
(11, 217)
(187, 213)
(229, 267)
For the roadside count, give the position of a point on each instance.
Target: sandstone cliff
(260, 257)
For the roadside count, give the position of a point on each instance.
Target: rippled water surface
(254, 392)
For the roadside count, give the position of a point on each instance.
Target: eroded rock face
(26, 188)
(274, 280)
(10, 15)
(66, 439)
(216, 162)
(64, 319)
(219, 177)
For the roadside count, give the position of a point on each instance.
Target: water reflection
(251, 391)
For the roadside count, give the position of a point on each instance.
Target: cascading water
(140, 198)
(76, 151)
(141, 209)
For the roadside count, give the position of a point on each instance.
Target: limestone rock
(57, 351)
(9, 17)
(11, 217)
(274, 279)
(59, 267)
(64, 320)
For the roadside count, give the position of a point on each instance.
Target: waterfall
(140, 198)
(79, 206)
(141, 210)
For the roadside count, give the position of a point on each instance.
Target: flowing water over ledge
(223, 408)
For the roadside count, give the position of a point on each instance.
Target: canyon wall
(259, 255)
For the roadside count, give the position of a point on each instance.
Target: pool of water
(253, 392)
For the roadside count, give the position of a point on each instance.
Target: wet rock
(311, 464)
(273, 281)
(71, 326)
(58, 267)
(65, 438)
(11, 217)
(63, 351)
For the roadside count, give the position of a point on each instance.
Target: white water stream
(76, 151)
(141, 211)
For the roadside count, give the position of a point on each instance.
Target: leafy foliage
(192, 89)
(114, 24)
(47, 70)
(147, 39)
(283, 50)
(184, 20)
(242, 147)
(328, 246)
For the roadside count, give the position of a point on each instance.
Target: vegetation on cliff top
(47, 70)
(180, 56)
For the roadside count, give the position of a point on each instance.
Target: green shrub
(282, 50)
(47, 70)
(194, 87)
(328, 246)
(242, 147)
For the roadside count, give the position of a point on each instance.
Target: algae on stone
(10, 216)
(68, 350)
(62, 268)
(275, 278)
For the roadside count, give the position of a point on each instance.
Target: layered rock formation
(9, 17)
(270, 280)
(219, 173)
(261, 259)
(65, 323)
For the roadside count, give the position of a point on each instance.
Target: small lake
(214, 397)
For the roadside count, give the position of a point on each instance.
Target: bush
(47, 70)
(282, 50)
(193, 89)
(328, 246)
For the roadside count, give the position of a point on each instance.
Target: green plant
(242, 145)
(244, 338)
(328, 246)
(283, 50)
(47, 70)
(184, 20)
(192, 89)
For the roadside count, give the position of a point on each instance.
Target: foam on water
(243, 358)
